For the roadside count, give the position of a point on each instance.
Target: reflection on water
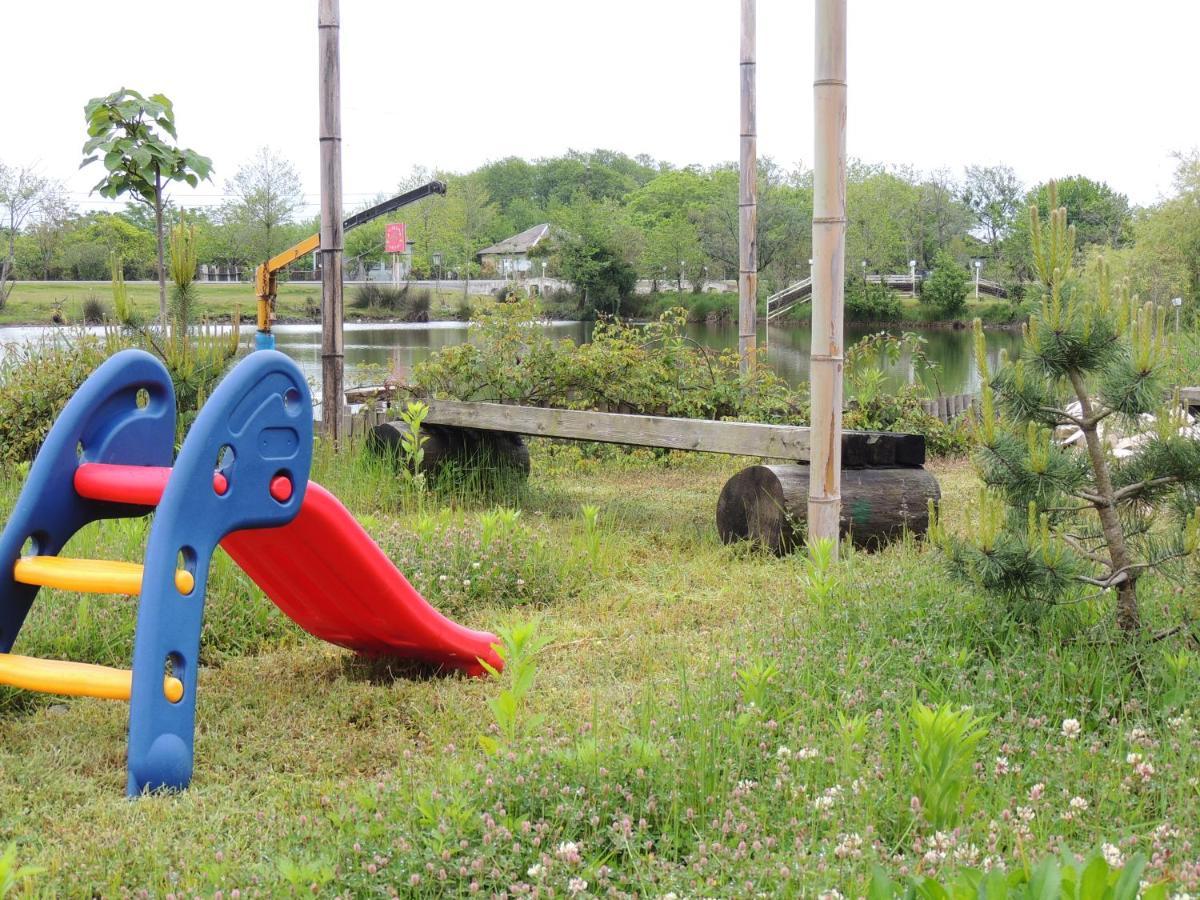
(375, 349)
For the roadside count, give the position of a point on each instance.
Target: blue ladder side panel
(101, 423)
(261, 411)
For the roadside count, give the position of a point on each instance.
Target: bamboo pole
(829, 267)
(748, 198)
(332, 345)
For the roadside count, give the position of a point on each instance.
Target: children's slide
(325, 572)
(240, 481)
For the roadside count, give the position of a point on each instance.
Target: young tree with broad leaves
(125, 132)
(1088, 455)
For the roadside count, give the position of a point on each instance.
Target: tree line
(618, 218)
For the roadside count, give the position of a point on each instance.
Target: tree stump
(769, 505)
(468, 449)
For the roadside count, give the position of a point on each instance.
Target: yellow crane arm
(265, 275)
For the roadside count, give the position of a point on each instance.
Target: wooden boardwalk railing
(800, 291)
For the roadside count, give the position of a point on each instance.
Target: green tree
(267, 192)
(125, 132)
(591, 250)
(54, 217)
(671, 249)
(993, 194)
(946, 289)
(21, 192)
(880, 213)
(1099, 214)
(1061, 518)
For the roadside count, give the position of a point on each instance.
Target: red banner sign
(395, 240)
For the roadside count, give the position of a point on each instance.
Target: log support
(769, 505)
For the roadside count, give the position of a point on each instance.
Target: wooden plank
(860, 448)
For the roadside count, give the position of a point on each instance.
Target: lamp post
(912, 275)
(1177, 302)
(864, 273)
(978, 265)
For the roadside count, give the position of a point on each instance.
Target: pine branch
(1063, 414)
(1082, 550)
(1137, 487)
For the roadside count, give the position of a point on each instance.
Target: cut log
(769, 505)
(466, 448)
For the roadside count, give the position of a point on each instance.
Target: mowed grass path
(317, 772)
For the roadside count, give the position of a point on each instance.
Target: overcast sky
(1050, 87)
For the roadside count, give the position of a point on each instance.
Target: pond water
(375, 349)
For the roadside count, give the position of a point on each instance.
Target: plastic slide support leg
(255, 429)
(102, 423)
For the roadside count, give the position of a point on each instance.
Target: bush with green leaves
(651, 369)
(873, 406)
(1083, 454)
(36, 381)
(946, 289)
(870, 302)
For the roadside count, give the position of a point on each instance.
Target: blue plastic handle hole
(291, 401)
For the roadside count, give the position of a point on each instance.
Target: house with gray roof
(510, 257)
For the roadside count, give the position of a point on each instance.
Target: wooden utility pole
(748, 199)
(332, 345)
(829, 270)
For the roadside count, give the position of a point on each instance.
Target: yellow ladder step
(56, 676)
(98, 576)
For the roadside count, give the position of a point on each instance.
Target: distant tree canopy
(615, 214)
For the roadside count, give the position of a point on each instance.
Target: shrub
(651, 369)
(409, 304)
(561, 303)
(36, 381)
(416, 304)
(93, 310)
(946, 289)
(867, 302)
(378, 296)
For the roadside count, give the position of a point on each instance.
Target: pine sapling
(1082, 450)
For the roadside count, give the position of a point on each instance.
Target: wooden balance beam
(860, 449)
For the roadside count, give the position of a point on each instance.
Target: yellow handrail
(56, 676)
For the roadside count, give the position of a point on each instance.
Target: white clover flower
(534, 871)
(807, 753)
(1071, 729)
(1078, 803)
(576, 886)
(1112, 855)
(783, 753)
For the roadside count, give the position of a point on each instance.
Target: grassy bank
(37, 302)
(716, 722)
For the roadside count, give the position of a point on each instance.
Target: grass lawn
(35, 302)
(706, 720)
